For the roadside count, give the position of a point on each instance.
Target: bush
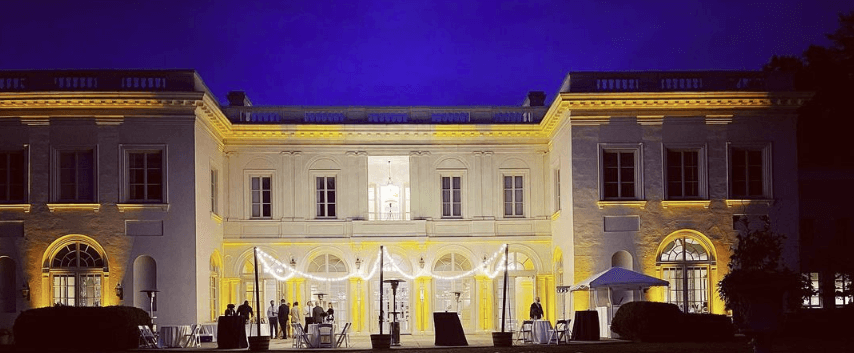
(707, 327)
(647, 321)
(812, 323)
(63, 328)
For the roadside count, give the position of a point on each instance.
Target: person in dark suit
(284, 313)
(245, 311)
(229, 310)
(318, 313)
(536, 310)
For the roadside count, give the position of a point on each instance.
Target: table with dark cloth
(585, 327)
(231, 333)
(449, 330)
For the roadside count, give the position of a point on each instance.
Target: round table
(172, 335)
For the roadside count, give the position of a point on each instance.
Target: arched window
(520, 287)
(7, 285)
(454, 295)
(77, 269)
(685, 264)
(329, 292)
(401, 299)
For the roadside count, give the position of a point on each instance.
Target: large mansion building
(138, 181)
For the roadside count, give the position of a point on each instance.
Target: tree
(823, 121)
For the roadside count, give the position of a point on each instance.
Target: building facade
(117, 184)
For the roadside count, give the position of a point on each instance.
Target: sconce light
(25, 291)
(421, 262)
(293, 262)
(358, 263)
(120, 292)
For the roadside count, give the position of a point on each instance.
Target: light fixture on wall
(293, 262)
(358, 263)
(25, 291)
(120, 292)
(421, 262)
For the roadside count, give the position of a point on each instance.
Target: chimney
(238, 99)
(535, 99)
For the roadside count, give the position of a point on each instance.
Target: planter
(502, 339)
(381, 341)
(259, 343)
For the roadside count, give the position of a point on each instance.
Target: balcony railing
(676, 81)
(384, 115)
(100, 80)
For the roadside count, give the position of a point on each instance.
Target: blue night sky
(406, 52)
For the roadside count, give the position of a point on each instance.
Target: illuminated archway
(333, 292)
(452, 265)
(686, 259)
(77, 267)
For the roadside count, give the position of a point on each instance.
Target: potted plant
(758, 289)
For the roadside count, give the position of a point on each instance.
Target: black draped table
(231, 333)
(449, 330)
(585, 327)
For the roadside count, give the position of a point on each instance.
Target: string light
(275, 268)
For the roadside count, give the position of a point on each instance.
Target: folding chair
(560, 332)
(326, 339)
(147, 339)
(526, 334)
(343, 337)
(192, 339)
(300, 338)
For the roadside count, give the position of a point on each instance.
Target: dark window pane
(508, 195)
(331, 196)
(154, 176)
(456, 182)
(457, 209)
(609, 175)
(609, 159)
(518, 196)
(155, 192)
(446, 196)
(319, 183)
(518, 182)
(256, 210)
(137, 192)
(331, 208)
(611, 190)
(266, 209)
(627, 159)
(256, 196)
(446, 209)
(155, 159)
(627, 190)
(330, 183)
(627, 175)
(256, 183)
(508, 182)
(265, 196)
(446, 183)
(67, 160)
(457, 196)
(519, 209)
(265, 183)
(320, 210)
(508, 209)
(321, 198)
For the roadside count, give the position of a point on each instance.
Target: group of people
(279, 316)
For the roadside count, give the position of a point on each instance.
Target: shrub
(84, 328)
(707, 327)
(647, 321)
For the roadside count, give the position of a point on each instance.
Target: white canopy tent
(614, 278)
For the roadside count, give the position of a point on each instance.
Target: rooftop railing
(100, 80)
(384, 115)
(676, 81)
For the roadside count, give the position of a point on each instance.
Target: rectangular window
(513, 196)
(325, 189)
(683, 174)
(76, 176)
(842, 289)
(557, 190)
(13, 177)
(618, 175)
(214, 191)
(814, 300)
(451, 197)
(747, 168)
(261, 196)
(145, 176)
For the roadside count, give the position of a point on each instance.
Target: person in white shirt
(273, 319)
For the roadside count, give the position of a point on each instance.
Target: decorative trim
(555, 215)
(718, 119)
(94, 207)
(650, 119)
(109, 120)
(35, 120)
(589, 120)
(216, 218)
(124, 207)
(749, 202)
(686, 203)
(630, 203)
(25, 207)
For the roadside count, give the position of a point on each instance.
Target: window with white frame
(261, 196)
(814, 300)
(143, 174)
(749, 172)
(76, 272)
(214, 191)
(842, 288)
(452, 197)
(325, 196)
(685, 173)
(13, 177)
(514, 195)
(75, 176)
(620, 173)
(557, 190)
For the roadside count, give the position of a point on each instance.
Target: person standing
(283, 313)
(295, 313)
(273, 319)
(536, 310)
(245, 311)
(309, 318)
(318, 313)
(330, 314)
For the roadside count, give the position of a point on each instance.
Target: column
(357, 312)
(546, 292)
(423, 312)
(485, 298)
